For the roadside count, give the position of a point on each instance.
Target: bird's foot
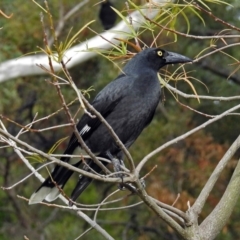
(143, 183)
(117, 166)
(130, 187)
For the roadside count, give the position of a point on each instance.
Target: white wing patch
(85, 129)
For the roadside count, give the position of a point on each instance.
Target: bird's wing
(104, 103)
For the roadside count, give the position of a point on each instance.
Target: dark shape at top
(128, 104)
(106, 15)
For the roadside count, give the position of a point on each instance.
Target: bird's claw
(143, 183)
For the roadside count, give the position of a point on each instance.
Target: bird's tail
(84, 181)
(50, 188)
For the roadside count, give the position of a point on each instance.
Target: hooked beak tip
(172, 58)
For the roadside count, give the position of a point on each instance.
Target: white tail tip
(49, 194)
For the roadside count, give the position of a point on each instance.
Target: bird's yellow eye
(159, 53)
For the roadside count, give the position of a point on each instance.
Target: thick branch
(26, 66)
(218, 218)
(199, 203)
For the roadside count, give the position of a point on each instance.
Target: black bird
(128, 104)
(107, 15)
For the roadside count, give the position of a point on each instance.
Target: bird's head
(158, 58)
(154, 58)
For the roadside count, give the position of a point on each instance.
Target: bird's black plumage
(128, 104)
(107, 15)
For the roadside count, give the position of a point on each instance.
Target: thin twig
(5, 15)
(183, 136)
(172, 209)
(97, 210)
(216, 18)
(215, 51)
(131, 23)
(75, 129)
(113, 134)
(178, 196)
(196, 111)
(216, 98)
(79, 213)
(151, 203)
(146, 175)
(63, 19)
(190, 35)
(84, 233)
(64, 164)
(58, 88)
(28, 176)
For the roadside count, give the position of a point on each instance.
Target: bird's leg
(117, 166)
(117, 163)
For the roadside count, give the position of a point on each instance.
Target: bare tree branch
(218, 218)
(199, 203)
(158, 210)
(64, 164)
(92, 223)
(159, 149)
(213, 98)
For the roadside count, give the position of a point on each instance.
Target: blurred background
(182, 168)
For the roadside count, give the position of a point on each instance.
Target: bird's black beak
(172, 58)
